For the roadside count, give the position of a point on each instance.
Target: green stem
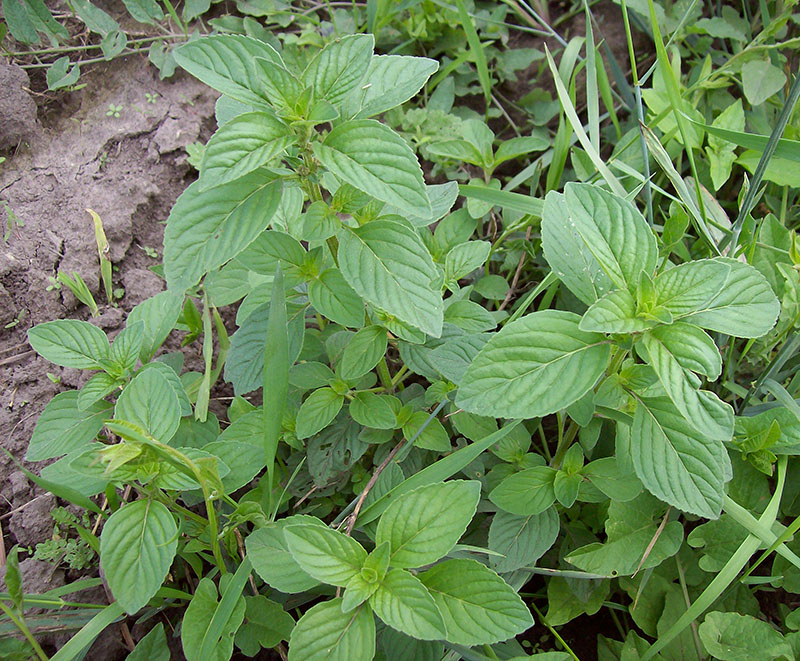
(555, 633)
(564, 441)
(20, 624)
(85, 47)
(93, 60)
(384, 375)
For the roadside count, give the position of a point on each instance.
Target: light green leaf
(736, 637)
(270, 248)
(137, 546)
(227, 63)
(399, 647)
(469, 317)
(425, 524)
(458, 150)
(744, 307)
(516, 147)
(596, 241)
(60, 75)
(266, 625)
(242, 145)
(70, 343)
(608, 477)
(100, 385)
(453, 358)
(279, 86)
(760, 80)
(153, 647)
(691, 347)
(538, 364)
(465, 258)
(150, 402)
(207, 228)
(332, 297)
(19, 22)
(273, 562)
(675, 463)
(388, 265)
(317, 412)
(325, 554)
(403, 602)
(522, 540)
(373, 158)
(174, 381)
(326, 632)
(614, 313)
(363, 352)
(433, 437)
(526, 493)
(390, 80)
(144, 11)
(158, 315)
(339, 67)
(633, 540)
(691, 286)
(64, 428)
(373, 411)
(478, 607)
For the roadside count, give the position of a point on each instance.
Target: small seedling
(78, 287)
(113, 111)
(103, 160)
(12, 221)
(102, 251)
(15, 321)
(55, 379)
(150, 252)
(151, 98)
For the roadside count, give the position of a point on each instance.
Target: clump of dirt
(127, 163)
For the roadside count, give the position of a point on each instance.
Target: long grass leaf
(223, 611)
(85, 637)
(592, 93)
(476, 48)
(504, 199)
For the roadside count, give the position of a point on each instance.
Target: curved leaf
(70, 343)
(325, 632)
(403, 602)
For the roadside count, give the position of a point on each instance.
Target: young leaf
(317, 412)
(594, 240)
(676, 464)
(273, 562)
(64, 428)
(425, 524)
(388, 265)
(158, 316)
(279, 85)
(70, 343)
(100, 385)
(373, 411)
(137, 546)
(526, 493)
(390, 80)
(478, 607)
(207, 228)
(739, 637)
(744, 307)
(153, 647)
(339, 67)
(150, 402)
(403, 602)
(373, 158)
(202, 612)
(324, 553)
(227, 63)
(690, 286)
(691, 347)
(266, 625)
(325, 631)
(242, 145)
(535, 365)
(614, 313)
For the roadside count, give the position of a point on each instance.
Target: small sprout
(119, 292)
(151, 98)
(113, 111)
(55, 379)
(150, 252)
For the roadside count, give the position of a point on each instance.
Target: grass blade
(504, 199)
(74, 647)
(222, 613)
(475, 47)
(592, 94)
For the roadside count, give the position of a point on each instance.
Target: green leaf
(60, 75)
(363, 352)
(64, 428)
(200, 614)
(608, 477)
(100, 385)
(266, 625)
(318, 411)
(339, 67)
(403, 602)
(596, 241)
(516, 147)
(242, 145)
(425, 524)
(521, 540)
(674, 462)
(150, 402)
(691, 347)
(614, 313)
(760, 80)
(158, 315)
(633, 540)
(478, 607)
(526, 493)
(207, 228)
(744, 307)
(126, 348)
(325, 554)
(269, 249)
(388, 265)
(273, 562)
(153, 647)
(390, 80)
(372, 410)
(433, 437)
(332, 297)
(736, 637)
(279, 86)
(399, 647)
(70, 343)
(538, 364)
(325, 632)
(144, 11)
(691, 286)
(373, 158)
(668, 354)
(227, 63)
(465, 258)
(137, 546)
(19, 22)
